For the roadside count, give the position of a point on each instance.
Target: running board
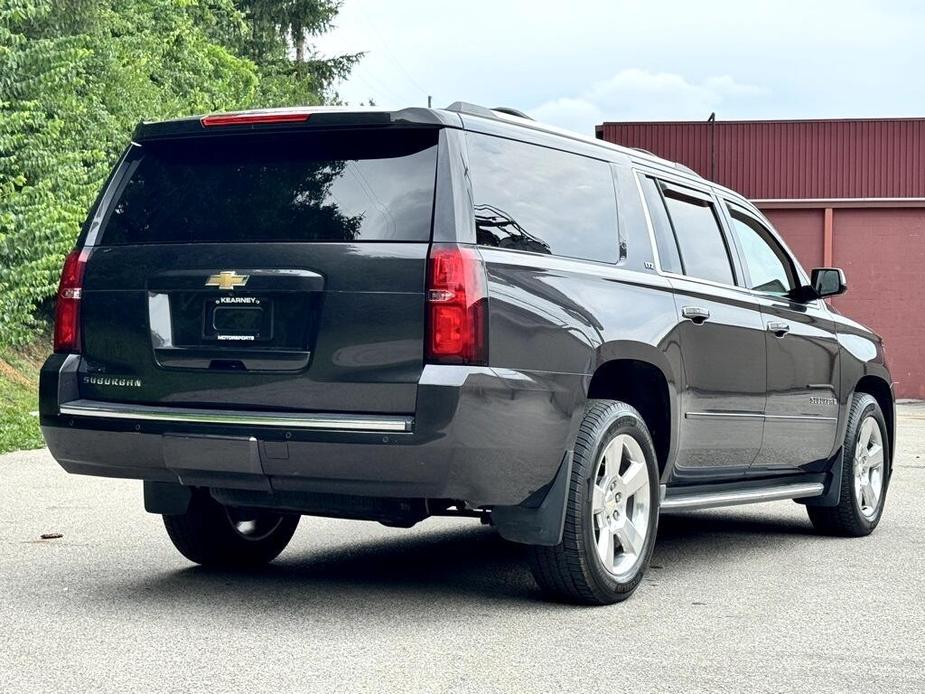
(691, 501)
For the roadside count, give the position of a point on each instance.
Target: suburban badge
(113, 381)
(822, 401)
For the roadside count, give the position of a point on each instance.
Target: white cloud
(820, 59)
(636, 94)
(572, 113)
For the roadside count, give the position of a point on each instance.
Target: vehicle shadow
(687, 539)
(407, 575)
(400, 575)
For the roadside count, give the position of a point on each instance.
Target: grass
(19, 383)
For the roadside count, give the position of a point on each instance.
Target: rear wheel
(215, 535)
(865, 474)
(611, 513)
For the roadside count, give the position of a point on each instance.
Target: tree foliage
(76, 76)
(291, 68)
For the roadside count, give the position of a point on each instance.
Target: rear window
(325, 186)
(532, 198)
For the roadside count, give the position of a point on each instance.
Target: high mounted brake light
(253, 118)
(457, 306)
(67, 305)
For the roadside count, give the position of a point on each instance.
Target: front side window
(532, 198)
(700, 239)
(769, 268)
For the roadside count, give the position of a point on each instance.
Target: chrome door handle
(779, 328)
(696, 314)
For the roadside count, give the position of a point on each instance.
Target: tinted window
(769, 268)
(532, 198)
(357, 186)
(703, 250)
(668, 255)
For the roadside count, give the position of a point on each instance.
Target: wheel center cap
(613, 502)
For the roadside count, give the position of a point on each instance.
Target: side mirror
(828, 281)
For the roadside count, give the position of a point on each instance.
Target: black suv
(388, 315)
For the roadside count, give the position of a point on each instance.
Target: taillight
(457, 306)
(67, 306)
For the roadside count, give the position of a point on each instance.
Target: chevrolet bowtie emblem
(227, 279)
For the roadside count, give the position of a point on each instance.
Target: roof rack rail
(511, 112)
(686, 169)
(471, 109)
(484, 112)
(678, 166)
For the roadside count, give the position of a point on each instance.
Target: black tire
(847, 519)
(218, 536)
(573, 571)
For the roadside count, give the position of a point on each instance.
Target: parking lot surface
(745, 599)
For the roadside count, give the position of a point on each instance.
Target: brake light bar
(67, 304)
(254, 118)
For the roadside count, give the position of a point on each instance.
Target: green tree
(291, 71)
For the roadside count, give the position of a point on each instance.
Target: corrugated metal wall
(864, 158)
(883, 279)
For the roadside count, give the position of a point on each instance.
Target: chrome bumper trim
(286, 420)
(745, 496)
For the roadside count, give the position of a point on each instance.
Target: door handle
(779, 328)
(695, 314)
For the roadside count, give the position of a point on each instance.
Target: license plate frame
(237, 320)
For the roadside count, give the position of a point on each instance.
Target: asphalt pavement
(746, 600)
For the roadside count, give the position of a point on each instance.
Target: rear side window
(700, 239)
(375, 185)
(532, 198)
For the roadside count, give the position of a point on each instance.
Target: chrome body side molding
(758, 415)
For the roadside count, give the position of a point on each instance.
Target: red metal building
(849, 193)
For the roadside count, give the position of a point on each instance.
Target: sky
(577, 63)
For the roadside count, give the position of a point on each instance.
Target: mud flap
(832, 486)
(166, 498)
(539, 524)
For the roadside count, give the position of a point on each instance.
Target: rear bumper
(480, 435)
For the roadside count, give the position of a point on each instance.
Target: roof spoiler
(288, 120)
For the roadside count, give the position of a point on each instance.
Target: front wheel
(611, 513)
(865, 474)
(220, 536)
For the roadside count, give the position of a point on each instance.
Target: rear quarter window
(375, 185)
(542, 200)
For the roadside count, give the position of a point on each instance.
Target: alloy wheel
(868, 467)
(620, 504)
